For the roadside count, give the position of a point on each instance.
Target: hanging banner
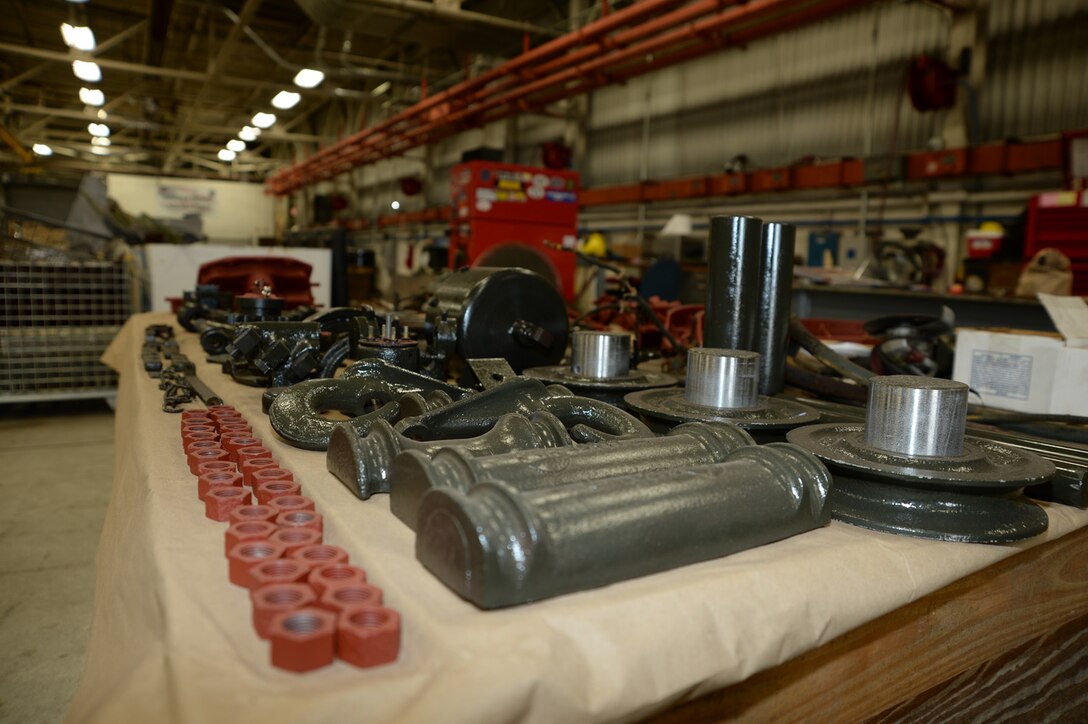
(181, 200)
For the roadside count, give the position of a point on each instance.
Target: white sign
(181, 200)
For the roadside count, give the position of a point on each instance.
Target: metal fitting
(363, 464)
(276, 598)
(295, 538)
(215, 466)
(220, 501)
(244, 513)
(496, 546)
(267, 492)
(280, 570)
(201, 445)
(340, 597)
(301, 519)
(220, 479)
(248, 467)
(694, 443)
(269, 475)
(303, 639)
(290, 503)
(368, 636)
(247, 554)
(247, 531)
(334, 574)
(254, 452)
(205, 455)
(320, 554)
(233, 444)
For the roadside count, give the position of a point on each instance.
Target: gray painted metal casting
(775, 298)
(732, 292)
(363, 463)
(496, 546)
(695, 443)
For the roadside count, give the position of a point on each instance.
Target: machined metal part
(600, 367)
(275, 354)
(296, 413)
(363, 464)
(940, 515)
(775, 297)
(588, 420)
(386, 340)
(496, 546)
(916, 416)
(732, 294)
(690, 444)
(722, 385)
(400, 379)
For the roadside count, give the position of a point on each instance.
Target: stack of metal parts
(911, 469)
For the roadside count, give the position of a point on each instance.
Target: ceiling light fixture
(309, 78)
(263, 120)
(78, 37)
(249, 133)
(41, 149)
(381, 89)
(92, 96)
(236, 145)
(395, 205)
(286, 99)
(102, 115)
(87, 70)
(225, 154)
(100, 141)
(98, 129)
(100, 151)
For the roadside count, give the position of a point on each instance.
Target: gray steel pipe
(496, 546)
(363, 463)
(775, 297)
(732, 292)
(916, 416)
(694, 443)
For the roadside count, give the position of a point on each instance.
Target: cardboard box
(1029, 372)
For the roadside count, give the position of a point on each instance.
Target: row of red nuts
(274, 545)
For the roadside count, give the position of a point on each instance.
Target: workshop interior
(489, 361)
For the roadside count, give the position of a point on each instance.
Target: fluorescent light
(264, 120)
(100, 151)
(225, 154)
(87, 70)
(98, 129)
(100, 141)
(286, 99)
(41, 149)
(92, 96)
(395, 205)
(309, 78)
(236, 145)
(79, 37)
(380, 89)
(249, 133)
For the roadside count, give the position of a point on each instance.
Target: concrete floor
(56, 472)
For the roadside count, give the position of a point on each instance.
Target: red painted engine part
(288, 277)
(276, 598)
(368, 636)
(303, 639)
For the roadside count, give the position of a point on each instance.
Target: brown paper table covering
(172, 638)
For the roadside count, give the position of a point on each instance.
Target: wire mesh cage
(56, 319)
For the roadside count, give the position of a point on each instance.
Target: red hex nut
(201, 445)
(295, 538)
(288, 503)
(332, 574)
(197, 432)
(252, 512)
(191, 415)
(214, 411)
(319, 555)
(248, 467)
(235, 427)
(232, 444)
(280, 570)
(268, 475)
(368, 636)
(342, 597)
(254, 452)
(205, 455)
(233, 418)
(247, 531)
(215, 466)
(303, 640)
(301, 519)
(277, 598)
(223, 478)
(267, 492)
(247, 554)
(219, 502)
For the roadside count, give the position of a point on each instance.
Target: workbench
(836, 624)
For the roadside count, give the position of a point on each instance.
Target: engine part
(363, 463)
(912, 344)
(334, 574)
(588, 420)
(914, 435)
(401, 380)
(775, 297)
(387, 342)
(342, 597)
(511, 313)
(294, 538)
(221, 500)
(273, 354)
(238, 274)
(368, 636)
(303, 639)
(247, 531)
(276, 598)
(732, 293)
(247, 554)
(495, 546)
(722, 385)
(600, 367)
(489, 372)
(687, 445)
(940, 515)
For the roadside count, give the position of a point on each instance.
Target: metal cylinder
(694, 443)
(725, 379)
(600, 355)
(732, 292)
(496, 546)
(363, 463)
(916, 416)
(775, 296)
